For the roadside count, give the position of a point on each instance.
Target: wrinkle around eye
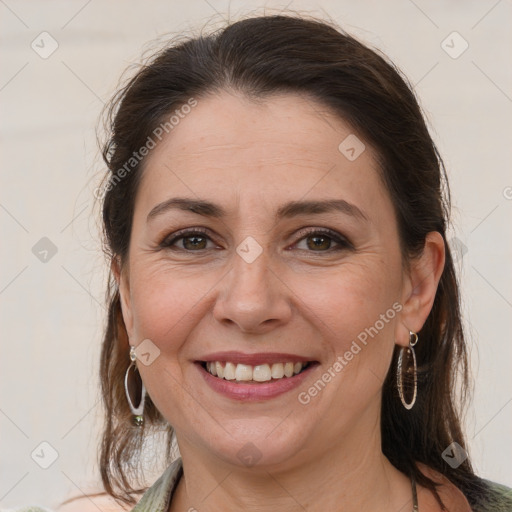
(172, 239)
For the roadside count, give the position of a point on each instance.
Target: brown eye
(319, 242)
(322, 241)
(194, 242)
(191, 240)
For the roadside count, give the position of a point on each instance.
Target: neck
(351, 476)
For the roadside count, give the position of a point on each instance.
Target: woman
(283, 303)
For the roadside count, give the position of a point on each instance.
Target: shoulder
(86, 503)
(498, 498)
(485, 496)
(30, 508)
(93, 502)
(452, 497)
(155, 498)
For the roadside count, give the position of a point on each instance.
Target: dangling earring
(138, 418)
(413, 339)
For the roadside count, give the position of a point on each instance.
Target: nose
(253, 297)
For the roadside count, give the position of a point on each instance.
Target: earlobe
(421, 287)
(121, 277)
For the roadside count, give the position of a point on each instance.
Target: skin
(250, 158)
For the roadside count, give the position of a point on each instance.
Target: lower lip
(254, 392)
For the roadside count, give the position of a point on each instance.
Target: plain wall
(52, 312)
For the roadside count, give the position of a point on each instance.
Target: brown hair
(257, 57)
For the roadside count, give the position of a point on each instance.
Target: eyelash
(168, 242)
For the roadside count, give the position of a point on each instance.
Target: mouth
(254, 377)
(257, 374)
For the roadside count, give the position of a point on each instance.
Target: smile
(254, 374)
(254, 377)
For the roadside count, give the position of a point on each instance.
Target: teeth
(243, 372)
(229, 371)
(259, 373)
(212, 368)
(288, 369)
(277, 371)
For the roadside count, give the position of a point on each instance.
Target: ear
(123, 283)
(420, 286)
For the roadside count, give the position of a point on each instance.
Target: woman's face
(267, 279)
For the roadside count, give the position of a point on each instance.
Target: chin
(255, 444)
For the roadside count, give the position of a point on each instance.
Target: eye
(316, 240)
(321, 240)
(192, 240)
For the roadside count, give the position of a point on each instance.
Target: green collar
(158, 497)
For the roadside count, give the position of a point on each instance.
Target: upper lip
(254, 359)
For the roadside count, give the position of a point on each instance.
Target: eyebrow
(288, 210)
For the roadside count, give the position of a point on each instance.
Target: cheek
(346, 302)
(354, 315)
(166, 304)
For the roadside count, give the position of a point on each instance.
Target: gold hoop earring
(138, 412)
(413, 339)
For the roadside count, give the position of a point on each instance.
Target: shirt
(158, 497)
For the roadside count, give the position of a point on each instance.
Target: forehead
(282, 147)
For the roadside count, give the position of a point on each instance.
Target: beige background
(52, 312)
